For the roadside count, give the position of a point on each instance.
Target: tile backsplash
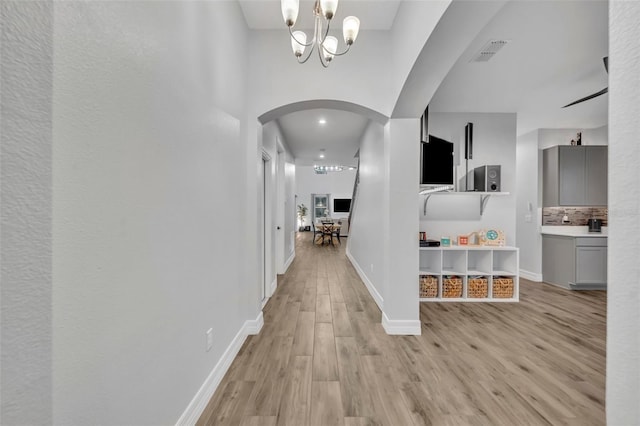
(578, 216)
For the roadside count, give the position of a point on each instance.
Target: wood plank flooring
(323, 357)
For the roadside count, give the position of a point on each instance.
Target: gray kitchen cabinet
(596, 175)
(571, 172)
(578, 263)
(574, 176)
(591, 265)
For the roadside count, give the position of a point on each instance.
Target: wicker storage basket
(428, 286)
(478, 287)
(502, 287)
(451, 286)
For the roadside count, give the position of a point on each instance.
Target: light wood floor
(323, 357)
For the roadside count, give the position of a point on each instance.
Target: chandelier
(327, 45)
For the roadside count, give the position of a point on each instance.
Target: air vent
(489, 50)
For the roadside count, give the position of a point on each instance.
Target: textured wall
(623, 297)
(149, 228)
(25, 299)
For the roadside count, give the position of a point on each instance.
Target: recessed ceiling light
(321, 155)
(322, 121)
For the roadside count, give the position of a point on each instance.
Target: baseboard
(289, 262)
(201, 399)
(401, 327)
(273, 286)
(254, 326)
(531, 276)
(372, 289)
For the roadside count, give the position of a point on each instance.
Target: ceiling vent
(489, 50)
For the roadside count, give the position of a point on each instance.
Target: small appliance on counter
(595, 225)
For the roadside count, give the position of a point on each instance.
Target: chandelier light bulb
(329, 8)
(298, 40)
(290, 11)
(350, 28)
(330, 48)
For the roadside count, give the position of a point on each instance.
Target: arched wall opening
(324, 104)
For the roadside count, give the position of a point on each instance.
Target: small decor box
(451, 286)
(428, 286)
(463, 240)
(445, 241)
(492, 237)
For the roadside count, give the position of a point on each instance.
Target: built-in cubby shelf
(499, 266)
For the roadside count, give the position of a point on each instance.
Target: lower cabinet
(469, 274)
(578, 263)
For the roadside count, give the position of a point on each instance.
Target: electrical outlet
(209, 339)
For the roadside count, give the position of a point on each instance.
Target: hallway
(323, 358)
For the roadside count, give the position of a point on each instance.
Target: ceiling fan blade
(586, 98)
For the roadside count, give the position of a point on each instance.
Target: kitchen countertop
(572, 231)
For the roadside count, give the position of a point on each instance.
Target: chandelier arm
(297, 41)
(321, 56)
(326, 33)
(308, 56)
(337, 54)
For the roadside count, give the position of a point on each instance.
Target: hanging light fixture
(327, 45)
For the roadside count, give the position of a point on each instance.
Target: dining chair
(327, 231)
(316, 233)
(336, 231)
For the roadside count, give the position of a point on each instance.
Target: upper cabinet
(574, 176)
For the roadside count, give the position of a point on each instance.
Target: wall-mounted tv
(436, 162)
(341, 205)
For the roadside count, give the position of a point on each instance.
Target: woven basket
(502, 287)
(452, 286)
(478, 287)
(428, 286)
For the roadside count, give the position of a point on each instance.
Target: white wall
(401, 307)
(528, 207)
(623, 296)
(336, 184)
(370, 211)
(149, 232)
(412, 26)
(277, 79)
(289, 211)
(494, 142)
(282, 214)
(25, 211)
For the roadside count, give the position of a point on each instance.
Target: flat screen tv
(436, 162)
(341, 205)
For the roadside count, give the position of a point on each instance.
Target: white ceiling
(339, 137)
(554, 57)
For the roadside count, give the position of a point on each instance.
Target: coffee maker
(595, 225)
